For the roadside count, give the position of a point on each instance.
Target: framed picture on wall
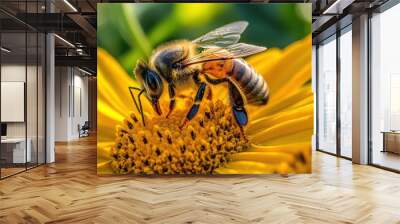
(204, 88)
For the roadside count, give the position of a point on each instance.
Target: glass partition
(13, 95)
(22, 77)
(31, 97)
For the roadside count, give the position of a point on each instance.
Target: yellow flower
(277, 138)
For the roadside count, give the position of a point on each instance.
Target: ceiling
(75, 21)
(332, 15)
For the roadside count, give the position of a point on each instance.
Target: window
(385, 89)
(346, 93)
(327, 95)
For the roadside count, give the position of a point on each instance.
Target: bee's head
(151, 83)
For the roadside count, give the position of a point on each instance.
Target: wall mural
(204, 88)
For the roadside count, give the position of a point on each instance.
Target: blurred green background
(130, 31)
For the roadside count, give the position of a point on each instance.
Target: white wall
(80, 110)
(12, 73)
(62, 81)
(13, 101)
(71, 102)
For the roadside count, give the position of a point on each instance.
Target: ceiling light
(70, 5)
(80, 51)
(65, 41)
(84, 71)
(5, 50)
(337, 7)
(333, 6)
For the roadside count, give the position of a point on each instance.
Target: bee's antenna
(139, 108)
(140, 104)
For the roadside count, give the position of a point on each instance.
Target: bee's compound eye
(176, 65)
(152, 82)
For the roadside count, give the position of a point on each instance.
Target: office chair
(84, 130)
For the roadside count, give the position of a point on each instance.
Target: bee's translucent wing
(222, 36)
(239, 50)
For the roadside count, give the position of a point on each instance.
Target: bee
(211, 59)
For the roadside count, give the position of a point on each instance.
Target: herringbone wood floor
(69, 191)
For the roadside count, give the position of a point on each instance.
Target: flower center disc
(162, 147)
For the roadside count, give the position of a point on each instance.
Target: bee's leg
(215, 81)
(198, 81)
(238, 108)
(171, 91)
(196, 104)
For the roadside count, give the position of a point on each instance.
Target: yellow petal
(301, 151)
(223, 170)
(301, 136)
(294, 83)
(309, 100)
(264, 157)
(114, 101)
(282, 129)
(264, 63)
(250, 167)
(104, 150)
(276, 106)
(287, 148)
(111, 96)
(107, 119)
(294, 57)
(104, 168)
(268, 121)
(113, 83)
(113, 73)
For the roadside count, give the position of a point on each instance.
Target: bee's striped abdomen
(253, 85)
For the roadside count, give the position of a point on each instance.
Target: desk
(15, 148)
(391, 141)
